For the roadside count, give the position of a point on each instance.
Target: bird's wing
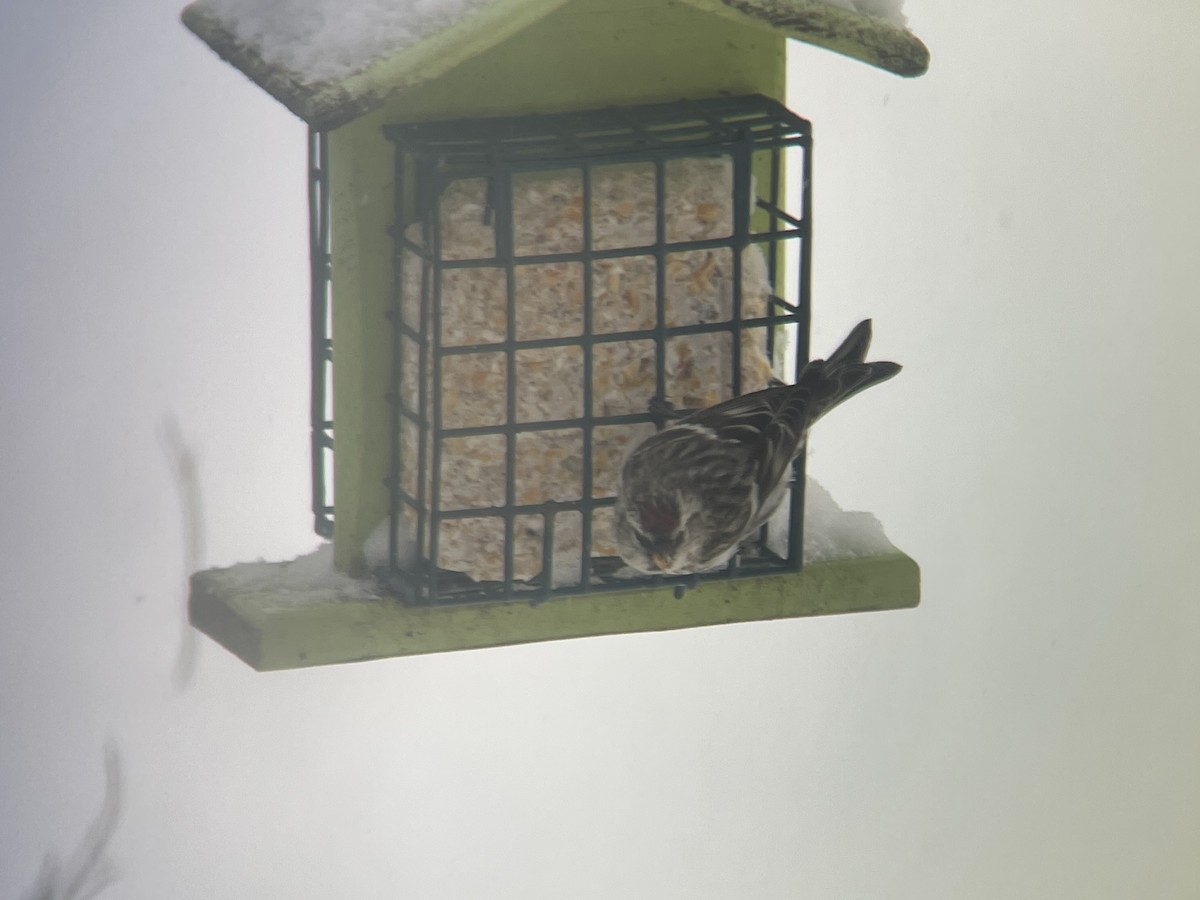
(769, 425)
(772, 424)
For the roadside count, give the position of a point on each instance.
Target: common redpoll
(690, 494)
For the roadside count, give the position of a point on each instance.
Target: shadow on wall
(88, 871)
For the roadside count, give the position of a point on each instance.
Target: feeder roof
(331, 61)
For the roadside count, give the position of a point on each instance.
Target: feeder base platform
(271, 631)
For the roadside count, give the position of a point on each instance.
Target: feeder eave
(327, 101)
(869, 39)
(322, 104)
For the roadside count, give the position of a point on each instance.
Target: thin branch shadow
(181, 459)
(88, 871)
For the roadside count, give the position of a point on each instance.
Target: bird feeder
(531, 223)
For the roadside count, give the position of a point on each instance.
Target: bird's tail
(844, 374)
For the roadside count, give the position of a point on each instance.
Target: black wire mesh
(321, 342)
(466, 246)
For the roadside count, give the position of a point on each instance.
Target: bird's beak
(660, 561)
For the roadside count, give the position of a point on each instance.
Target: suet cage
(556, 279)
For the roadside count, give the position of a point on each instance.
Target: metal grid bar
(796, 514)
(505, 252)
(587, 508)
(773, 232)
(615, 336)
(462, 591)
(660, 279)
(431, 233)
(741, 240)
(395, 480)
(644, 151)
(434, 321)
(617, 252)
(734, 128)
(321, 341)
(710, 123)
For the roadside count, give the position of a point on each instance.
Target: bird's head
(652, 535)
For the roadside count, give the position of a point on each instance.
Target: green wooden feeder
(528, 219)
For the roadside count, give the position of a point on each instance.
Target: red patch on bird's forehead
(659, 521)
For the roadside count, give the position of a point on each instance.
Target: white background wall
(1021, 223)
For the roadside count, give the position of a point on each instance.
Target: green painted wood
(599, 56)
(361, 187)
(586, 54)
(270, 633)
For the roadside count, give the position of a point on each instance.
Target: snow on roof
(317, 56)
(325, 40)
(891, 11)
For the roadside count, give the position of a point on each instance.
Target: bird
(691, 494)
